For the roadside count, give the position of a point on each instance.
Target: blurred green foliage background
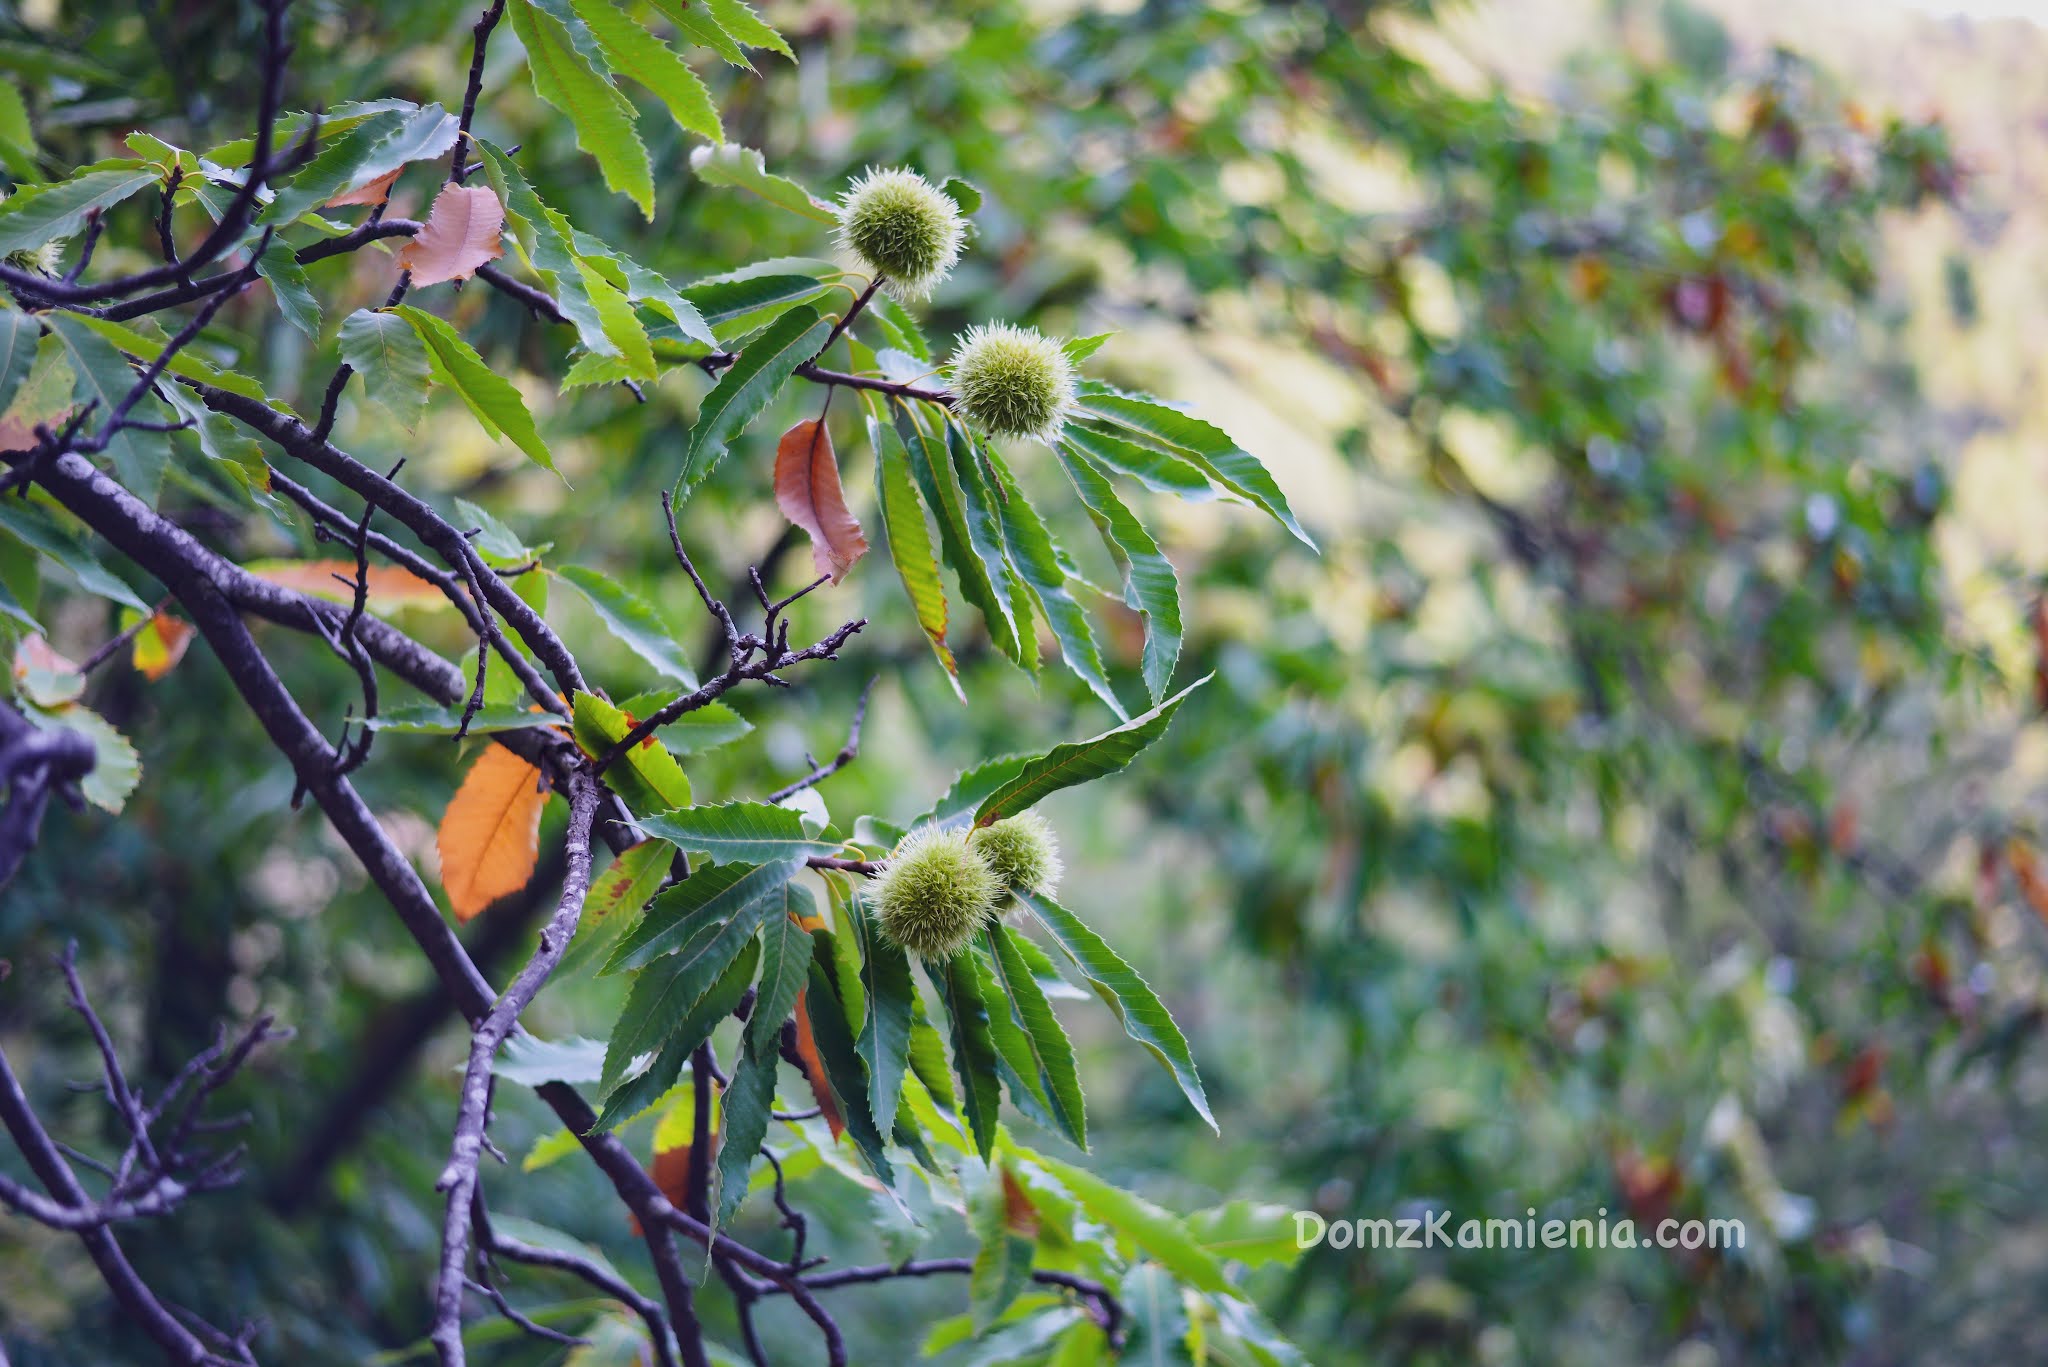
(1632, 807)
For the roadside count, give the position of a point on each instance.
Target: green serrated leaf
(704, 728)
(751, 832)
(974, 1047)
(229, 447)
(928, 1056)
(104, 378)
(1145, 1018)
(969, 789)
(1150, 584)
(19, 335)
(639, 55)
(1204, 445)
(1249, 1232)
(890, 997)
(17, 136)
(601, 116)
(146, 348)
(1151, 463)
(970, 540)
(964, 193)
(650, 1021)
(739, 19)
(746, 388)
(1075, 762)
(279, 265)
(742, 168)
(902, 329)
(1052, 1054)
(718, 893)
(633, 621)
(697, 26)
(910, 543)
(36, 214)
(1159, 1317)
(1019, 1069)
(785, 967)
(496, 542)
(490, 396)
(384, 141)
(1135, 1220)
(116, 768)
(621, 325)
(1079, 349)
(642, 285)
(534, 1062)
(738, 305)
(385, 350)
(1038, 559)
(1002, 1263)
(667, 995)
(834, 1039)
(545, 243)
(748, 1104)
(433, 719)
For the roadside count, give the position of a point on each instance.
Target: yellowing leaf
(490, 834)
(463, 230)
(807, 490)
(390, 585)
(625, 887)
(160, 645)
(43, 398)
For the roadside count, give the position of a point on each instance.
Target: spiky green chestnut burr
(900, 226)
(48, 258)
(1011, 382)
(1023, 853)
(934, 892)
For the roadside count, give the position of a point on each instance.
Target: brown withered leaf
(490, 835)
(1020, 1216)
(463, 230)
(370, 192)
(814, 1069)
(807, 490)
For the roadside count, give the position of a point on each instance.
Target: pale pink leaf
(370, 192)
(463, 230)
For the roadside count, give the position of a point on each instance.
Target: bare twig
(848, 753)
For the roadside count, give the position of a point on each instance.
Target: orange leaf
(391, 586)
(490, 834)
(463, 230)
(671, 1172)
(160, 645)
(807, 490)
(814, 1068)
(371, 192)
